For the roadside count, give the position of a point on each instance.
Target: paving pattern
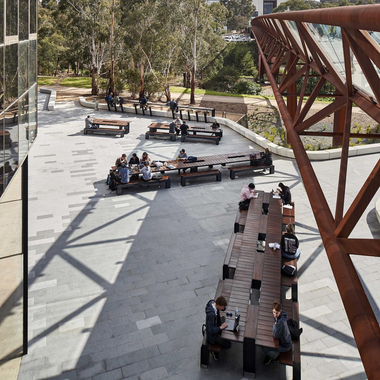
(118, 284)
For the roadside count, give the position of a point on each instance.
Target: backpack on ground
(294, 329)
(112, 181)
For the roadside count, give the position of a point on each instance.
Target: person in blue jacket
(280, 332)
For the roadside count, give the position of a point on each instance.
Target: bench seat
(234, 169)
(240, 220)
(104, 131)
(288, 215)
(215, 139)
(170, 136)
(186, 176)
(141, 182)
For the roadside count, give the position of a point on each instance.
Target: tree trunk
(192, 92)
(188, 76)
(94, 83)
(167, 93)
(142, 89)
(112, 80)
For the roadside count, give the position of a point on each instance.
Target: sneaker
(215, 355)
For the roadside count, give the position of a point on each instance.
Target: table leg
(249, 356)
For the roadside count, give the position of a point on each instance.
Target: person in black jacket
(290, 244)
(184, 127)
(284, 193)
(280, 332)
(214, 325)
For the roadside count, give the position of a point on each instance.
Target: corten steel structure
(339, 46)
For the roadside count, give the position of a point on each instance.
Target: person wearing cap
(121, 160)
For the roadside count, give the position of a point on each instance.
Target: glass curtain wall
(18, 129)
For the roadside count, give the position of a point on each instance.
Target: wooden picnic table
(255, 270)
(121, 124)
(194, 129)
(210, 161)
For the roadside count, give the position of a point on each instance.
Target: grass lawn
(80, 82)
(198, 91)
(46, 81)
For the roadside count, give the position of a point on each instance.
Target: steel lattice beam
(279, 47)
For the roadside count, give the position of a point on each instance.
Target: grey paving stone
(116, 374)
(154, 374)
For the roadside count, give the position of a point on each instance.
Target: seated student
(214, 325)
(184, 127)
(124, 173)
(89, 123)
(284, 193)
(121, 160)
(143, 101)
(280, 332)
(290, 244)
(134, 160)
(182, 154)
(267, 157)
(246, 194)
(178, 123)
(146, 172)
(145, 157)
(215, 124)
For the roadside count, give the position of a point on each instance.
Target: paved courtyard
(118, 284)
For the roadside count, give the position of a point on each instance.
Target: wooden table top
(119, 123)
(259, 266)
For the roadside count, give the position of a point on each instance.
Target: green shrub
(246, 87)
(224, 80)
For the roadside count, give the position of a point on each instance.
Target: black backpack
(294, 329)
(112, 182)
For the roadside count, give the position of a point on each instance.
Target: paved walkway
(118, 284)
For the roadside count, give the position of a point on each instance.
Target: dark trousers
(224, 343)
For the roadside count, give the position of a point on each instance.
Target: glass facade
(18, 129)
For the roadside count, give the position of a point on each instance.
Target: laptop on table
(233, 324)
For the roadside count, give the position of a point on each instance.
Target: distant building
(264, 7)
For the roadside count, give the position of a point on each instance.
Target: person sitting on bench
(134, 160)
(121, 160)
(184, 127)
(143, 101)
(178, 122)
(145, 157)
(215, 124)
(173, 127)
(246, 194)
(214, 325)
(124, 173)
(284, 193)
(280, 332)
(146, 172)
(90, 124)
(289, 244)
(182, 154)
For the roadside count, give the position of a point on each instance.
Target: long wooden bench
(234, 169)
(170, 136)
(215, 139)
(240, 220)
(104, 131)
(232, 255)
(186, 176)
(288, 215)
(140, 182)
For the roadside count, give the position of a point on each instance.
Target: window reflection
(23, 32)
(12, 18)
(32, 62)
(2, 180)
(23, 127)
(32, 114)
(33, 16)
(23, 67)
(11, 145)
(11, 82)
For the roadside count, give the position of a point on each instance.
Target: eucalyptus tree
(94, 18)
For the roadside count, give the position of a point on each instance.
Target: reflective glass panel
(294, 30)
(12, 18)
(11, 77)
(23, 49)
(32, 62)
(32, 114)
(11, 134)
(23, 127)
(2, 179)
(33, 16)
(1, 78)
(1, 18)
(375, 36)
(23, 32)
